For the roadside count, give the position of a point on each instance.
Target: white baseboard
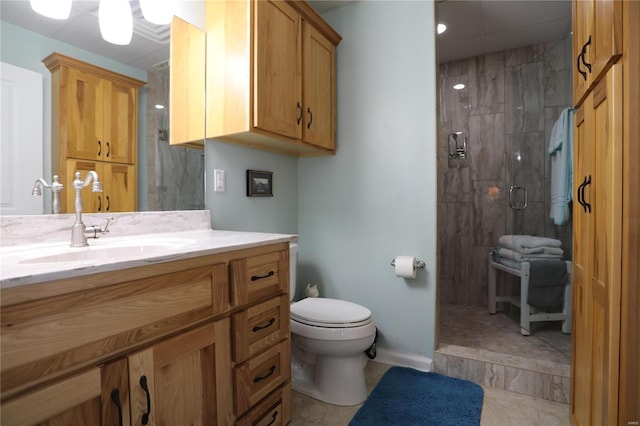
(389, 357)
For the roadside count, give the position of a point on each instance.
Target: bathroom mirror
(30, 37)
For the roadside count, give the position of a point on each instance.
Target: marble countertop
(42, 261)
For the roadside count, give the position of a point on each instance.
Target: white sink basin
(105, 250)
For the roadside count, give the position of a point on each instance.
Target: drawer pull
(143, 384)
(260, 378)
(262, 327)
(273, 418)
(259, 277)
(115, 397)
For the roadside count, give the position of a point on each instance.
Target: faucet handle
(94, 231)
(106, 225)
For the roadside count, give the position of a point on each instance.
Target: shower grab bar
(519, 204)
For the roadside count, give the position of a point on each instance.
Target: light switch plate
(218, 180)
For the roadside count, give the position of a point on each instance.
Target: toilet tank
(293, 266)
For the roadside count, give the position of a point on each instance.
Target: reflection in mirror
(169, 178)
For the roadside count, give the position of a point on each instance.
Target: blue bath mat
(405, 396)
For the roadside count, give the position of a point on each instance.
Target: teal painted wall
(376, 199)
(27, 49)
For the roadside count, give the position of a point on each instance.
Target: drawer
(46, 337)
(259, 327)
(261, 375)
(274, 410)
(257, 277)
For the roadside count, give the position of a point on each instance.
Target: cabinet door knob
(108, 149)
(262, 327)
(260, 378)
(99, 203)
(299, 113)
(587, 206)
(580, 194)
(310, 118)
(99, 147)
(584, 51)
(143, 385)
(274, 417)
(108, 204)
(259, 277)
(115, 397)
(579, 59)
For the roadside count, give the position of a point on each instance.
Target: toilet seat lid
(326, 312)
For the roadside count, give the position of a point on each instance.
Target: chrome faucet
(55, 186)
(79, 232)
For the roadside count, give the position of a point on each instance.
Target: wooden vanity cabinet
(157, 341)
(95, 118)
(270, 77)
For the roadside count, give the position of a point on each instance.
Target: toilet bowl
(329, 338)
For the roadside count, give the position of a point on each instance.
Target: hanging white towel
(561, 152)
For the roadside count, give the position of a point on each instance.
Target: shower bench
(528, 313)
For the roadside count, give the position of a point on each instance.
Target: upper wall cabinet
(270, 78)
(597, 42)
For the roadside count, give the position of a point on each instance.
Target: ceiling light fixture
(158, 12)
(441, 28)
(159, 106)
(116, 21)
(459, 86)
(55, 9)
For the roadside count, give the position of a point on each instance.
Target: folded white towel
(519, 257)
(521, 242)
(541, 250)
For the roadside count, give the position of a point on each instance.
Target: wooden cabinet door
(120, 130)
(581, 342)
(115, 393)
(82, 114)
(277, 104)
(318, 88)
(118, 187)
(91, 201)
(187, 82)
(119, 181)
(597, 41)
(184, 380)
(72, 401)
(595, 398)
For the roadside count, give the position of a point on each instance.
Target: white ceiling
(474, 27)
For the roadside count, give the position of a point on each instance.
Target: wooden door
(318, 88)
(605, 196)
(606, 35)
(115, 393)
(91, 201)
(119, 181)
(187, 83)
(72, 401)
(598, 269)
(277, 104)
(120, 131)
(581, 343)
(184, 380)
(82, 114)
(582, 28)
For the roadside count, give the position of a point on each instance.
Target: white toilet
(329, 338)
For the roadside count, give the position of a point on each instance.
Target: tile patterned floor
(475, 328)
(500, 408)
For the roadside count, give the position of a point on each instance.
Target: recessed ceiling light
(159, 106)
(441, 28)
(459, 86)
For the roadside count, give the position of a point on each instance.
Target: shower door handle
(518, 204)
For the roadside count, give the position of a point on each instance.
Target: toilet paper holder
(419, 264)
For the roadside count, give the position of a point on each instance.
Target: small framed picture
(259, 184)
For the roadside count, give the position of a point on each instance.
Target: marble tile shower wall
(507, 110)
(175, 175)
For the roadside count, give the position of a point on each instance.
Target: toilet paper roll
(406, 266)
